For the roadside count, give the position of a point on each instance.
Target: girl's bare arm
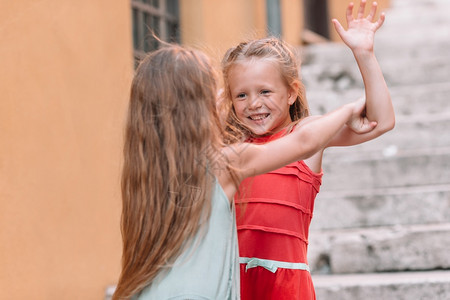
(359, 37)
(302, 143)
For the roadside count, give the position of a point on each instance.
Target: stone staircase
(381, 226)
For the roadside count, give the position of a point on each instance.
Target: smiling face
(260, 96)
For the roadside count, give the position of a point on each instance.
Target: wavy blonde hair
(172, 139)
(272, 49)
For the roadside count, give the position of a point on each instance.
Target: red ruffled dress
(273, 212)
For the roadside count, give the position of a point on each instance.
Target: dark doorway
(316, 17)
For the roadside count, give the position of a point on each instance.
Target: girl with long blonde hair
(178, 179)
(265, 100)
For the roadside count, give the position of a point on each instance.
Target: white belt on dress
(271, 265)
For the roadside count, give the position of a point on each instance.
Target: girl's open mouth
(258, 117)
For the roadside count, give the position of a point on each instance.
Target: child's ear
(293, 92)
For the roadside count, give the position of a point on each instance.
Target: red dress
(273, 213)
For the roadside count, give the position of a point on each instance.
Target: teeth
(258, 117)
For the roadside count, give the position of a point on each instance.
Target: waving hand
(361, 30)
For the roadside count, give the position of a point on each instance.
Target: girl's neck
(282, 130)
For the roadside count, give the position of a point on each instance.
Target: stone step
(382, 207)
(398, 44)
(411, 30)
(411, 11)
(417, 99)
(412, 43)
(421, 20)
(430, 285)
(361, 170)
(382, 249)
(409, 133)
(415, 25)
(408, 72)
(413, 52)
(408, 3)
(412, 47)
(396, 189)
(344, 74)
(421, 98)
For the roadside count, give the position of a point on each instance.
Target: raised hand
(359, 122)
(361, 30)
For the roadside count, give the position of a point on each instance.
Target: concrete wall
(64, 79)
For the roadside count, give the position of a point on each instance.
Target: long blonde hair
(272, 49)
(172, 138)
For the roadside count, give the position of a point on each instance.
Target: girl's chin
(259, 127)
(259, 130)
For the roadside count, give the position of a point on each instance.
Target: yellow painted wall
(65, 72)
(337, 9)
(216, 25)
(292, 21)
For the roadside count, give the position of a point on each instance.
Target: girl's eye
(241, 96)
(265, 92)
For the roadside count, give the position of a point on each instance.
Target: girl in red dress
(265, 101)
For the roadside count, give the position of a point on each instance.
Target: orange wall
(292, 21)
(216, 25)
(64, 79)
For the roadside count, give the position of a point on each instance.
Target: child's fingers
(362, 125)
(349, 12)
(367, 126)
(373, 11)
(380, 20)
(339, 29)
(372, 125)
(362, 6)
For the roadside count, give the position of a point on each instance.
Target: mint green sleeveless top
(209, 269)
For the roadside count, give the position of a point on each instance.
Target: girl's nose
(255, 102)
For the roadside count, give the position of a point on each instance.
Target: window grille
(154, 18)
